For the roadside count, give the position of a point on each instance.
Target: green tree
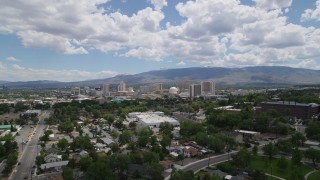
(120, 163)
(115, 148)
(257, 174)
(270, 150)
(82, 142)
(11, 161)
(10, 146)
(190, 128)
(125, 137)
(201, 138)
(313, 155)
(296, 156)
(298, 139)
(110, 119)
(144, 135)
(255, 150)
(66, 127)
(165, 141)
(154, 170)
(2, 150)
(67, 173)
(84, 163)
(114, 134)
(166, 128)
(150, 157)
(313, 130)
(216, 143)
(207, 176)
(12, 129)
(230, 143)
(100, 170)
(282, 163)
(181, 175)
(242, 158)
(63, 144)
(180, 158)
(285, 146)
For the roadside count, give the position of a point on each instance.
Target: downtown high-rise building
(184, 84)
(208, 88)
(155, 87)
(195, 90)
(106, 89)
(122, 86)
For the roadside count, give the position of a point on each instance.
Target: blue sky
(79, 40)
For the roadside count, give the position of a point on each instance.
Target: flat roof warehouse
(153, 119)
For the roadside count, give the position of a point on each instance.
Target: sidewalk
(308, 174)
(274, 176)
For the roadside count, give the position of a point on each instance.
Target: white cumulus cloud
(273, 4)
(181, 63)
(15, 72)
(158, 4)
(312, 14)
(213, 32)
(12, 59)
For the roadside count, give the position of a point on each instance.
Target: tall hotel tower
(122, 86)
(106, 89)
(195, 90)
(208, 88)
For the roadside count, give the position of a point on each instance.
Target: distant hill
(247, 76)
(257, 75)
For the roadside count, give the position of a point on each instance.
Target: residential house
(107, 141)
(84, 153)
(52, 137)
(52, 158)
(189, 151)
(52, 150)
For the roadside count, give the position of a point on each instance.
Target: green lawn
(285, 170)
(271, 166)
(272, 178)
(314, 176)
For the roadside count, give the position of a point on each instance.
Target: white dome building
(173, 91)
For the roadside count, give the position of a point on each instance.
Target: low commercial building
(32, 112)
(298, 110)
(54, 165)
(152, 119)
(249, 134)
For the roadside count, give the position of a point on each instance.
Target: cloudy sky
(70, 40)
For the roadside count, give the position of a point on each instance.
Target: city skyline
(81, 40)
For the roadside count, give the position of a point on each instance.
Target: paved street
(30, 150)
(195, 166)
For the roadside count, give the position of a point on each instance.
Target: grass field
(314, 176)
(271, 166)
(285, 170)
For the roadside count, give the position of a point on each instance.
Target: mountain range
(247, 76)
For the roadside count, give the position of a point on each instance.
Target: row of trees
(8, 150)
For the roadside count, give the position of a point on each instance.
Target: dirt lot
(9, 116)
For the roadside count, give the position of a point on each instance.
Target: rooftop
(54, 164)
(291, 103)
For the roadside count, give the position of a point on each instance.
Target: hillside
(248, 76)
